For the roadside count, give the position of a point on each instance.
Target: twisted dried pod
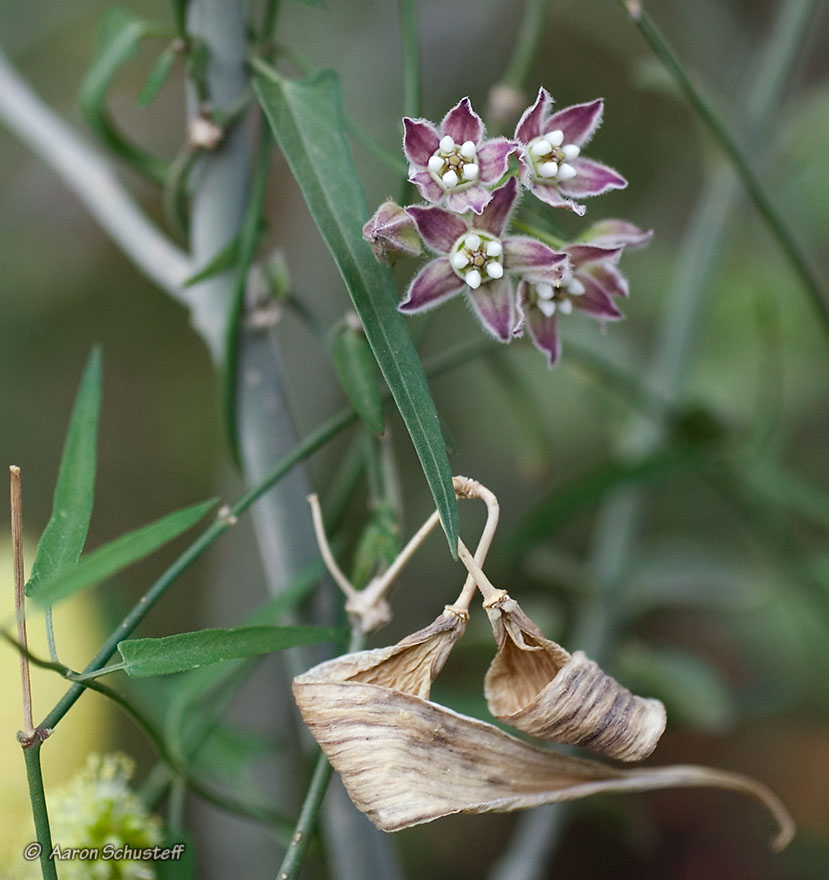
(405, 760)
(537, 686)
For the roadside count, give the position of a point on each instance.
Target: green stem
(311, 805)
(526, 44)
(294, 857)
(411, 57)
(34, 776)
(411, 72)
(269, 19)
(248, 238)
(766, 208)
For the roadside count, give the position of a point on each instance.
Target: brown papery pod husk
(405, 760)
(537, 686)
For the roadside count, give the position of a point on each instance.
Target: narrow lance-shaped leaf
(63, 538)
(307, 120)
(177, 653)
(120, 553)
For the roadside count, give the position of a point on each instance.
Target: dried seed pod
(537, 686)
(405, 760)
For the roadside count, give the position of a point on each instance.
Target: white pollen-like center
(550, 157)
(454, 166)
(552, 298)
(477, 257)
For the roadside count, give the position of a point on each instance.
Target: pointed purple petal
(529, 256)
(615, 233)
(494, 303)
(493, 159)
(578, 122)
(427, 187)
(529, 125)
(462, 123)
(438, 228)
(594, 301)
(548, 193)
(592, 179)
(474, 199)
(433, 284)
(496, 214)
(610, 279)
(420, 140)
(585, 254)
(544, 334)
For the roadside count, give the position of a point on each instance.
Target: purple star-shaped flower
(591, 287)
(552, 167)
(453, 164)
(475, 259)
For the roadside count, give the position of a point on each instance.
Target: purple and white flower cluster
(512, 282)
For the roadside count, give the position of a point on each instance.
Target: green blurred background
(726, 593)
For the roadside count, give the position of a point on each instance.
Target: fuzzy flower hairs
(406, 760)
(472, 187)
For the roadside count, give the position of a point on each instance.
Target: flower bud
(392, 234)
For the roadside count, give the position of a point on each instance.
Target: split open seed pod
(405, 760)
(537, 686)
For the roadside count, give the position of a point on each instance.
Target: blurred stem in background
(619, 520)
(762, 201)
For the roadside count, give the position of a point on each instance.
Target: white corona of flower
(476, 257)
(454, 166)
(549, 157)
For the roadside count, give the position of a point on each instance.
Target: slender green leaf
(63, 538)
(120, 553)
(307, 120)
(177, 653)
(120, 36)
(157, 77)
(357, 371)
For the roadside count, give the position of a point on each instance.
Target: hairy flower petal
(494, 304)
(592, 179)
(529, 125)
(493, 158)
(473, 199)
(543, 331)
(549, 194)
(578, 122)
(588, 253)
(462, 123)
(420, 140)
(610, 279)
(437, 227)
(433, 284)
(426, 186)
(497, 213)
(595, 301)
(613, 233)
(533, 258)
